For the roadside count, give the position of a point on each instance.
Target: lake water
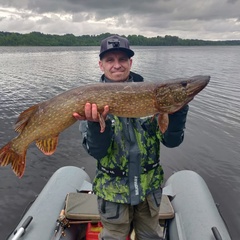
(211, 147)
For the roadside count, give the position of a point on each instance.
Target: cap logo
(115, 43)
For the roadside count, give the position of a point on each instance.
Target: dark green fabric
(130, 144)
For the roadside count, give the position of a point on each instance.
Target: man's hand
(91, 113)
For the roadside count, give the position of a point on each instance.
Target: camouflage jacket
(127, 154)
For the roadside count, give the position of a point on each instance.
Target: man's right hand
(91, 113)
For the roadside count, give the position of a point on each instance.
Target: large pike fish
(43, 122)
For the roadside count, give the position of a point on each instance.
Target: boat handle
(216, 233)
(18, 233)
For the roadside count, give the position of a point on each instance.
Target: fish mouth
(196, 84)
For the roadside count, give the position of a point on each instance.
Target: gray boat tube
(196, 214)
(48, 205)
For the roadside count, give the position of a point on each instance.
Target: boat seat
(84, 207)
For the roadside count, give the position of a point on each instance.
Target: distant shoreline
(41, 39)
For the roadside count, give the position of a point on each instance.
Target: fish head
(172, 95)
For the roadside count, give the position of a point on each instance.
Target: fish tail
(9, 156)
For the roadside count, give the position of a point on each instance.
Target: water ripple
(29, 75)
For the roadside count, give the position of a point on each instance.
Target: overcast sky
(194, 19)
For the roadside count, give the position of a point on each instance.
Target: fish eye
(184, 84)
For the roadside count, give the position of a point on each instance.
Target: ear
(130, 62)
(100, 63)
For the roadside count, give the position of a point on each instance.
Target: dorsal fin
(47, 145)
(24, 117)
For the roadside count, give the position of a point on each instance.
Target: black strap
(150, 167)
(117, 172)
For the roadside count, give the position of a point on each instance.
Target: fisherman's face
(116, 66)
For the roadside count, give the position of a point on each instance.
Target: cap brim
(129, 52)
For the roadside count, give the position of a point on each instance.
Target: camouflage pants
(117, 218)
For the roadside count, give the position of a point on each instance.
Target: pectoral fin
(163, 122)
(48, 145)
(101, 122)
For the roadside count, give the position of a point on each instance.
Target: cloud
(212, 19)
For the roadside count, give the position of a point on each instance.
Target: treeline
(40, 39)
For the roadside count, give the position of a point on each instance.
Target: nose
(117, 64)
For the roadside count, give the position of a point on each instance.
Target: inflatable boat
(66, 209)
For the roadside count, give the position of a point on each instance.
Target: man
(129, 176)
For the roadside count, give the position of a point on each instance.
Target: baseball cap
(114, 43)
